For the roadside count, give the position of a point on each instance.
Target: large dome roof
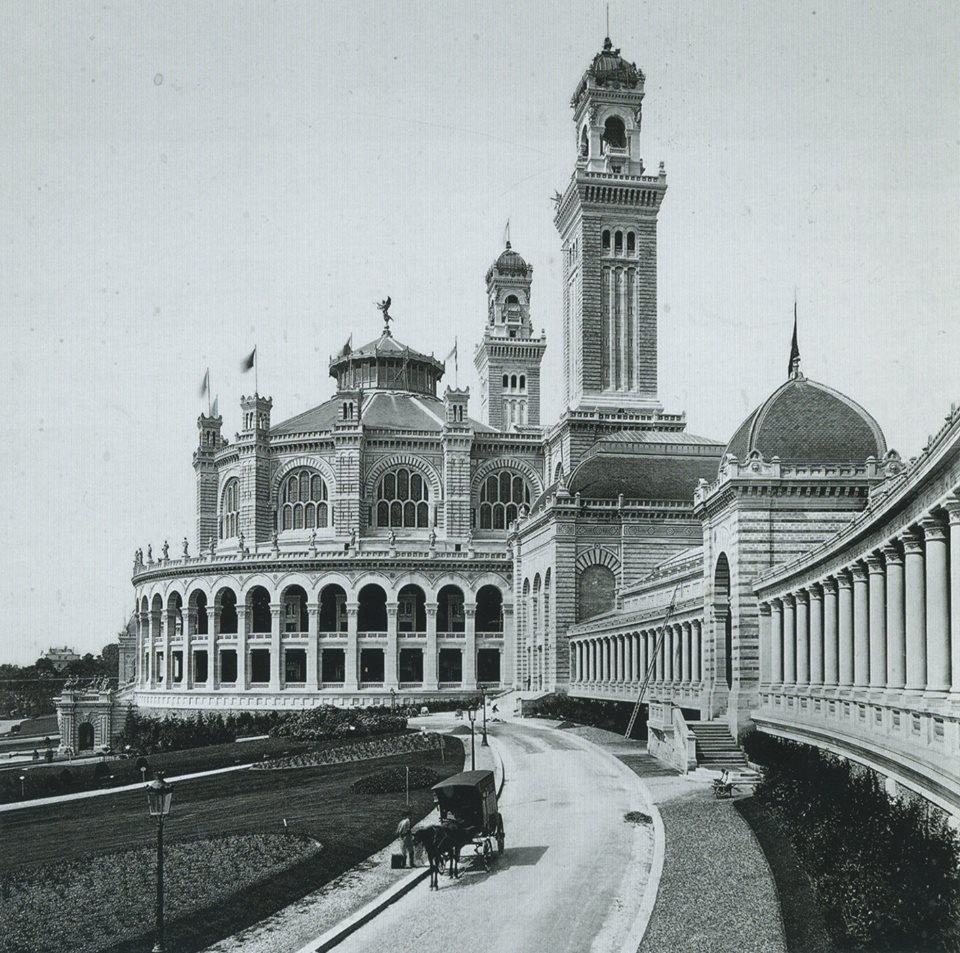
(803, 422)
(509, 263)
(609, 68)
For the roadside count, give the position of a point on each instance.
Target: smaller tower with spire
(508, 359)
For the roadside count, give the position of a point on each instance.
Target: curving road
(571, 878)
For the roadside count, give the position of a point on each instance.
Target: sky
(183, 181)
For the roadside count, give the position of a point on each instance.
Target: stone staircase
(716, 747)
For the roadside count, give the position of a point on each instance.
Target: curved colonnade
(860, 639)
(614, 665)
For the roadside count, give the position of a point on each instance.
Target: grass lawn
(317, 802)
(171, 763)
(803, 923)
(41, 725)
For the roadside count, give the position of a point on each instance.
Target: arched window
(303, 501)
(631, 243)
(618, 243)
(506, 381)
(615, 133)
(605, 240)
(596, 589)
(230, 509)
(584, 142)
(523, 382)
(513, 382)
(402, 500)
(501, 496)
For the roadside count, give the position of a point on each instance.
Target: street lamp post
(483, 701)
(472, 715)
(159, 798)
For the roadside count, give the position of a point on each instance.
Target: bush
(149, 733)
(395, 779)
(885, 870)
(611, 716)
(326, 722)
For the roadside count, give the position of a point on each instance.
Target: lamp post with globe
(472, 715)
(159, 798)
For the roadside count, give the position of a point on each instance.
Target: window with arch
(618, 243)
(230, 509)
(303, 501)
(506, 381)
(631, 243)
(403, 500)
(605, 240)
(584, 142)
(501, 496)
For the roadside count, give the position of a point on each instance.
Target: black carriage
(468, 809)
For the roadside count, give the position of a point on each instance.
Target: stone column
(668, 650)
(938, 606)
(470, 648)
(390, 649)
(845, 629)
(213, 661)
(313, 640)
(861, 626)
(660, 651)
(803, 638)
(878, 620)
(763, 627)
(687, 652)
(507, 656)
(895, 620)
(168, 631)
(915, 634)
(155, 644)
(628, 675)
(952, 507)
(815, 594)
(789, 641)
(430, 654)
(276, 646)
(243, 682)
(622, 658)
(776, 643)
(144, 663)
(352, 660)
(696, 657)
(831, 633)
(189, 631)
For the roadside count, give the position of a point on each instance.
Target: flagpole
(209, 405)
(456, 364)
(256, 372)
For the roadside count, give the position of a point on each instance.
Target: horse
(438, 845)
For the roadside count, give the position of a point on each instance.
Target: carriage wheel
(500, 841)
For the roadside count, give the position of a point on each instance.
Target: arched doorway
(721, 602)
(85, 736)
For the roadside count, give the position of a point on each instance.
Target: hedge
(885, 869)
(396, 779)
(327, 721)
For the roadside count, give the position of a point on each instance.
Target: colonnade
(624, 658)
(888, 620)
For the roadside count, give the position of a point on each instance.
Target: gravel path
(717, 894)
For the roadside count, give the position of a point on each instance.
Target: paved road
(571, 877)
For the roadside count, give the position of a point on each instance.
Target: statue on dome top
(165, 550)
(186, 548)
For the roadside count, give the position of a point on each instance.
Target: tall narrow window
(501, 496)
(230, 509)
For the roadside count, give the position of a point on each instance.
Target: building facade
(798, 578)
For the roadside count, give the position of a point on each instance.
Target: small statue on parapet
(186, 548)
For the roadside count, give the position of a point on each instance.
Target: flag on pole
(205, 383)
(348, 347)
(456, 366)
(249, 361)
(506, 234)
(215, 410)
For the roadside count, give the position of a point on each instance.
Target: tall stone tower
(508, 359)
(607, 219)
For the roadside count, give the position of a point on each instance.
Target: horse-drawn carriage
(468, 815)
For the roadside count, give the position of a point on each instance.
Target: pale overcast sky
(181, 181)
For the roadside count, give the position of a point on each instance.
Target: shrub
(885, 870)
(326, 721)
(609, 715)
(395, 779)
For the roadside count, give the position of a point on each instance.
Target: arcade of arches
(334, 638)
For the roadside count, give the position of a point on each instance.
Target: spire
(506, 234)
(793, 367)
